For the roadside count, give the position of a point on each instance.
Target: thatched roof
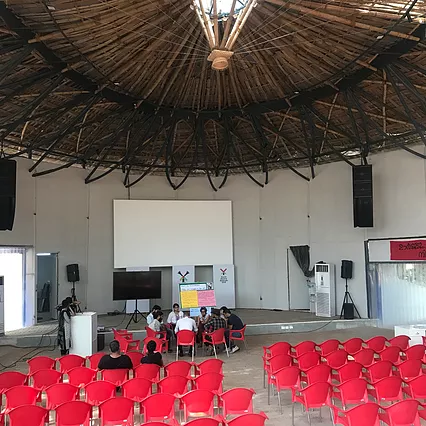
(126, 84)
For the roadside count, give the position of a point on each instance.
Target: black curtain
(303, 259)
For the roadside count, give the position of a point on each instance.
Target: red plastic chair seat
(308, 360)
(328, 347)
(251, 419)
(9, 379)
(209, 366)
(73, 413)
(174, 385)
(98, 392)
(198, 403)
(387, 389)
(337, 359)
(159, 345)
(353, 346)
(28, 415)
(377, 343)
(60, 393)
(185, 338)
(352, 370)
(159, 407)
(68, 362)
(352, 392)
(209, 381)
(365, 357)
(42, 379)
(117, 411)
(237, 401)
(379, 371)
(137, 389)
(304, 347)
(20, 395)
(409, 369)
(179, 368)
(318, 373)
(148, 371)
(402, 342)
(364, 414)
(94, 360)
(117, 376)
(401, 414)
(40, 363)
(81, 376)
(215, 338)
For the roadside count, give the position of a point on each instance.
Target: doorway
(46, 286)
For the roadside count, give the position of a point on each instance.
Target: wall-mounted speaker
(7, 194)
(346, 269)
(362, 186)
(73, 273)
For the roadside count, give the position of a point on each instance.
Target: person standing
(64, 327)
(186, 323)
(234, 322)
(115, 360)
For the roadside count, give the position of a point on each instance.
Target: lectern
(84, 334)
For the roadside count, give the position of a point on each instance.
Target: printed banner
(197, 298)
(224, 285)
(180, 275)
(408, 250)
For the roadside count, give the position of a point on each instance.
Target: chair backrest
(352, 346)
(329, 346)
(287, 378)
(404, 413)
(174, 385)
(150, 332)
(122, 333)
(380, 370)
(59, 393)
(40, 363)
(148, 371)
(352, 370)
(94, 360)
(415, 352)
(410, 369)
(185, 338)
(354, 391)
(28, 415)
(279, 361)
(389, 389)
(377, 343)
(237, 401)
(417, 387)
(9, 379)
(178, 368)
(99, 391)
(304, 347)
(277, 349)
(392, 354)
(308, 360)
(118, 410)
(364, 414)
(209, 381)
(81, 376)
(158, 344)
(251, 419)
(218, 336)
(42, 379)
(135, 358)
(317, 395)
(203, 421)
(238, 334)
(337, 359)
(365, 357)
(199, 402)
(77, 412)
(159, 406)
(210, 366)
(68, 362)
(117, 376)
(137, 389)
(401, 342)
(318, 373)
(20, 395)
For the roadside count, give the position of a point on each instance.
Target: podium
(84, 334)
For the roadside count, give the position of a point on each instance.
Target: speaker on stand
(7, 194)
(73, 275)
(348, 306)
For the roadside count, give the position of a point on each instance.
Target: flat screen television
(136, 285)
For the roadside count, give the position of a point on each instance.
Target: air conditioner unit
(325, 283)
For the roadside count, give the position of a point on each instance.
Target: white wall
(59, 213)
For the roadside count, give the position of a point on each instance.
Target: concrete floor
(244, 369)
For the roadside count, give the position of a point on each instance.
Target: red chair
(392, 354)
(159, 344)
(204, 421)
(185, 338)
(233, 335)
(123, 333)
(209, 366)
(59, 393)
(217, 337)
(209, 381)
(409, 369)
(365, 415)
(28, 415)
(274, 364)
(352, 346)
(40, 363)
(352, 392)
(147, 371)
(137, 389)
(416, 388)
(159, 407)
(94, 360)
(308, 360)
(304, 347)
(117, 411)
(402, 342)
(329, 346)
(128, 345)
(9, 379)
(387, 389)
(20, 395)
(135, 357)
(379, 371)
(277, 349)
(73, 413)
(237, 401)
(68, 362)
(173, 385)
(337, 359)
(251, 419)
(365, 357)
(163, 337)
(42, 379)
(117, 376)
(414, 352)
(81, 376)
(401, 414)
(288, 378)
(314, 396)
(179, 368)
(377, 343)
(352, 370)
(98, 392)
(198, 402)
(318, 373)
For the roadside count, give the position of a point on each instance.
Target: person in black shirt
(115, 360)
(234, 323)
(152, 357)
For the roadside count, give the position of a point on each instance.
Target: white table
(414, 331)
(84, 335)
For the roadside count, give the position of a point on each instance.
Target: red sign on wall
(408, 250)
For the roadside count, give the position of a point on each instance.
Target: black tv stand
(135, 314)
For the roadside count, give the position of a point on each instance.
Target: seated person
(202, 319)
(174, 316)
(115, 360)
(150, 316)
(186, 323)
(234, 323)
(152, 357)
(222, 312)
(215, 323)
(157, 326)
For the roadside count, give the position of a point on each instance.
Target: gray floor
(244, 369)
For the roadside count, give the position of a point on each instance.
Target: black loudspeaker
(73, 273)
(7, 194)
(348, 311)
(362, 185)
(346, 269)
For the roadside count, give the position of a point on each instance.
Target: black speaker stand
(135, 314)
(74, 298)
(347, 298)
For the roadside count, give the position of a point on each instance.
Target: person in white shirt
(174, 316)
(186, 323)
(150, 316)
(157, 326)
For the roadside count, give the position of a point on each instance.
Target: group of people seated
(180, 320)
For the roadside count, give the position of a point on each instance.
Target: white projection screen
(167, 233)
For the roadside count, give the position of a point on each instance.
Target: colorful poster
(206, 298)
(414, 250)
(189, 299)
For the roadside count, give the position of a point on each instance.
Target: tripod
(347, 298)
(135, 314)
(74, 298)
